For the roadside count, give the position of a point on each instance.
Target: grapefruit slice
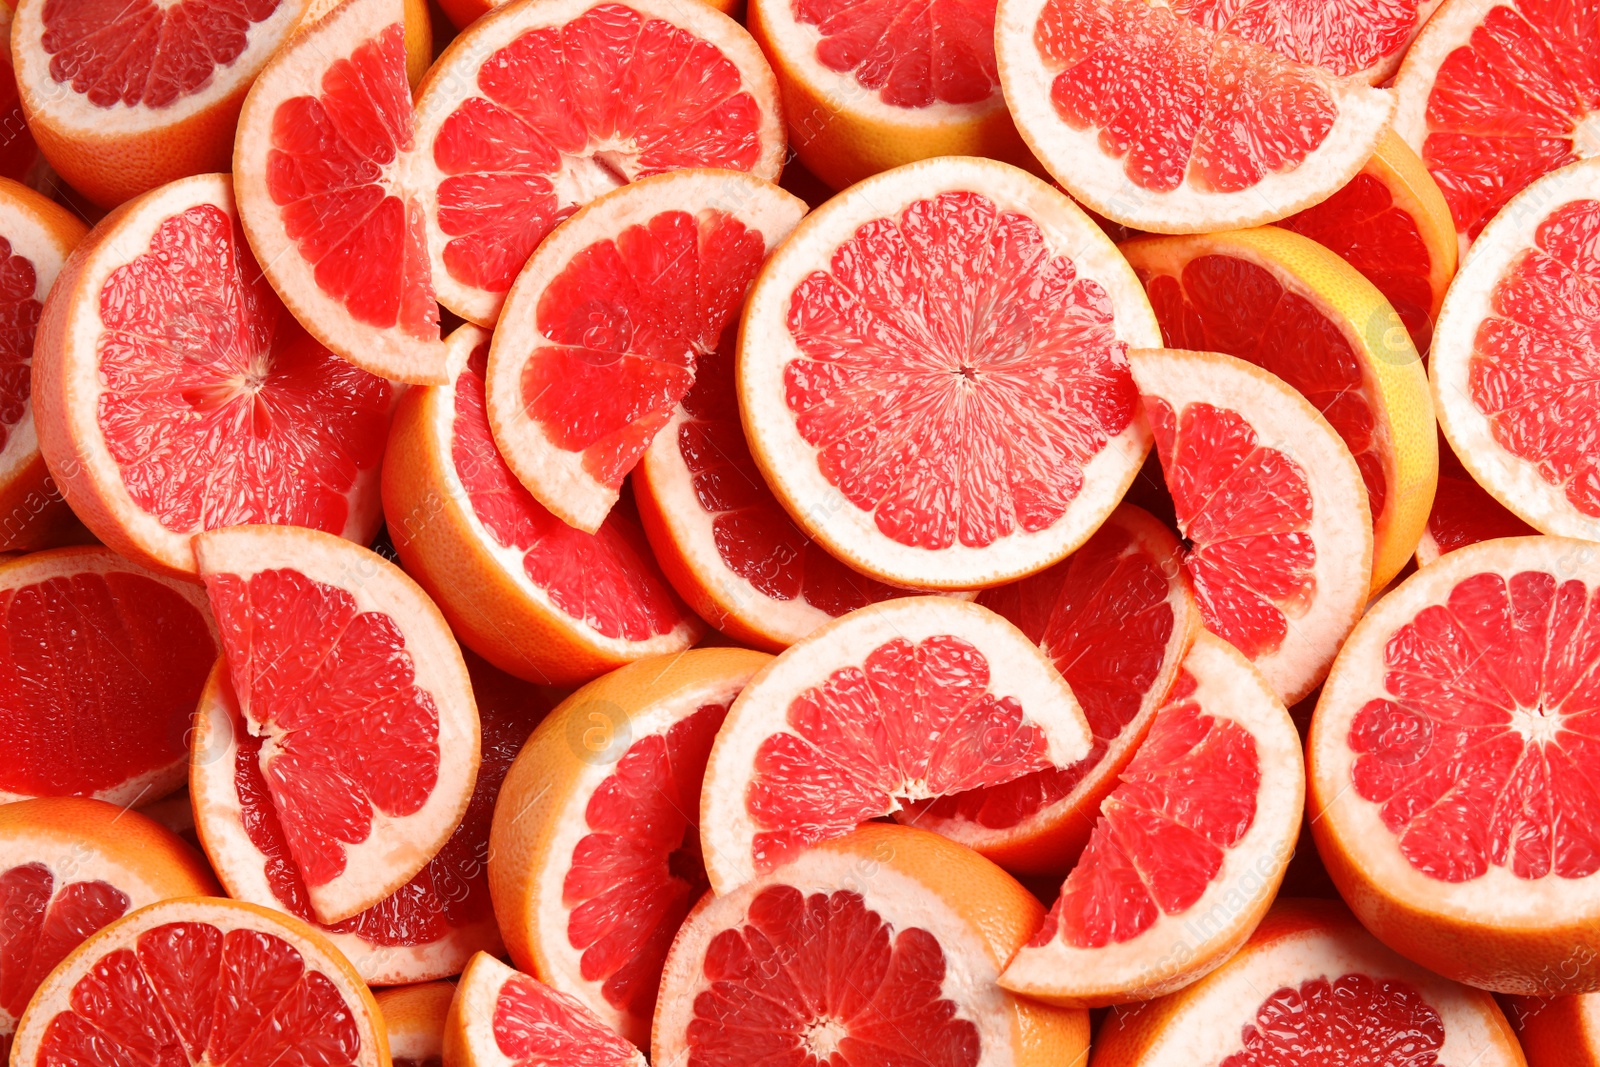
(175, 393)
(69, 866)
(1512, 357)
(1116, 618)
(414, 1017)
(1463, 513)
(882, 946)
(601, 332)
(325, 144)
(1288, 305)
(203, 980)
(1364, 40)
(897, 702)
(1557, 1031)
(1189, 848)
(1271, 506)
(501, 1018)
(1170, 125)
(932, 375)
(101, 664)
(1450, 768)
(352, 685)
(1311, 987)
(520, 587)
(594, 858)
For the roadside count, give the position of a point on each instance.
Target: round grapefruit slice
(520, 587)
(601, 332)
(1189, 848)
(897, 702)
(414, 1016)
(101, 663)
(320, 166)
(1463, 513)
(883, 946)
(594, 857)
(1364, 40)
(1450, 768)
(1271, 507)
(175, 393)
(1311, 987)
(1284, 303)
(1557, 1031)
(69, 866)
(1116, 618)
(203, 980)
(350, 682)
(501, 1018)
(540, 108)
(932, 375)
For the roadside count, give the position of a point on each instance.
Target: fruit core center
(967, 374)
(1586, 136)
(822, 1037)
(586, 177)
(1536, 724)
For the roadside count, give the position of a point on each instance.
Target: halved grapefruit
(501, 1018)
(600, 335)
(1463, 513)
(414, 1017)
(1364, 40)
(520, 587)
(932, 374)
(1557, 1031)
(349, 679)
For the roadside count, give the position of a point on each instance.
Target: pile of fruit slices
(595, 532)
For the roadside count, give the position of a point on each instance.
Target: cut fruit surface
(932, 374)
(101, 664)
(1116, 618)
(501, 1018)
(897, 702)
(414, 1017)
(539, 108)
(1189, 848)
(349, 680)
(534, 596)
(1463, 513)
(1365, 40)
(176, 394)
(601, 333)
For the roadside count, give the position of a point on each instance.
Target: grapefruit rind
(414, 1017)
(88, 840)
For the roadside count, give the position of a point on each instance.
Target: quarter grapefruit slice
(1271, 507)
(897, 702)
(350, 681)
(175, 393)
(1463, 513)
(501, 1018)
(414, 1017)
(601, 332)
(522, 588)
(594, 857)
(933, 378)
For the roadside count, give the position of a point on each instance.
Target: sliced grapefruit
(350, 681)
(1365, 40)
(175, 393)
(414, 1017)
(897, 702)
(1557, 1031)
(1284, 303)
(1271, 506)
(601, 332)
(594, 857)
(522, 588)
(501, 1018)
(1463, 513)
(1116, 618)
(933, 378)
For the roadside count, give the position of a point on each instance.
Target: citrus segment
(1463, 513)
(414, 1017)
(501, 1018)
(1367, 40)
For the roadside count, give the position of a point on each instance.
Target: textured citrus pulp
(1189, 847)
(69, 866)
(349, 679)
(176, 394)
(1311, 988)
(123, 97)
(1463, 513)
(1513, 356)
(1271, 506)
(1168, 125)
(1286, 304)
(882, 946)
(1557, 1032)
(205, 981)
(600, 334)
(595, 851)
(897, 702)
(101, 663)
(1116, 618)
(1450, 767)
(502, 1018)
(526, 591)
(419, 33)
(414, 1017)
(321, 168)
(932, 374)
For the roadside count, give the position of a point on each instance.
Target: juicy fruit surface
(956, 377)
(1463, 511)
(912, 53)
(535, 1024)
(1352, 1021)
(569, 112)
(19, 321)
(1344, 37)
(216, 406)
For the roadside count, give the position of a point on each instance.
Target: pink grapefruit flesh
(911, 54)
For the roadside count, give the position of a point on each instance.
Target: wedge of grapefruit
(1463, 513)
(501, 1018)
(601, 332)
(932, 375)
(414, 1017)
(349, 680)
(520, 587)
(1557, 1031)
(1364, 40)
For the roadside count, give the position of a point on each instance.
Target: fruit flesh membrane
(1342, 37)
(1353, 1020)
(911, 53)
(19, 321)
(534, 1024)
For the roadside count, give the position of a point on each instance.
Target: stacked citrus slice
(500, 1018)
